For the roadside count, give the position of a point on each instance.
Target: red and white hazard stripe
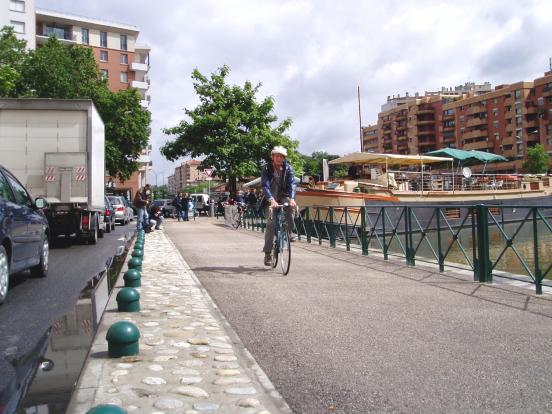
(79, 169)
(80, 177)
(50, 170)
(50, 178)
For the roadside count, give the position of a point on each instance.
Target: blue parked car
(23, 232)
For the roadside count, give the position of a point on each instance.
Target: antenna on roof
(550, 63)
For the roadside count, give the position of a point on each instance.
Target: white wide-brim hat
(279, 150)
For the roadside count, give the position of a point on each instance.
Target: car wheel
(100, 233)
(41, 269)
(113, 225)
(4, 273)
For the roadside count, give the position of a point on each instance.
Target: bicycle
(282, 243)
(237, 216)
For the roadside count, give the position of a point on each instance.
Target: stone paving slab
(190, 360)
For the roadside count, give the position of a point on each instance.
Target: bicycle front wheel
(236, 219)
(285, 251)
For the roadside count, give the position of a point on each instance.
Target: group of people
(278, 187)
(183, 205)
(148, 216)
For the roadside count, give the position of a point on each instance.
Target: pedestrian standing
(185, 206)
(178, 204)
(140, 202)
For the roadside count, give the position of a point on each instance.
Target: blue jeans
(141, 218)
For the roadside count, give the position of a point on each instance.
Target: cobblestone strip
(190, 361)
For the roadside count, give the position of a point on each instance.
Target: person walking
(278, 184)
(178, 204)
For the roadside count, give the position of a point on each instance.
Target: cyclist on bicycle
(278, 183)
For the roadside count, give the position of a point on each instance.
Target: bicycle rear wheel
(285, 251)
(275, 252)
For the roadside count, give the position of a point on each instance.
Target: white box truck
(56, 148)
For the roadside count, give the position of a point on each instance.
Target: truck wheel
(41, 269)
(100, 233)
(4, 274)
(93, 236)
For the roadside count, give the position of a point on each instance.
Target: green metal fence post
(485, 274)
(347, 241)
(385, 255)
(318, 224)
(538, 271)
(363, 239)
(331, 228)
(441, 259)
(308, 225)
(471, 210)
(408, 236)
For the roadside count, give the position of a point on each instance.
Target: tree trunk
(232, 185)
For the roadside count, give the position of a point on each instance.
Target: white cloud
(311, 55)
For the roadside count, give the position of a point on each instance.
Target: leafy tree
(60, 72)
(126, 129)
(313, 165)
(12, 58)
(230, 128)
(161, 191)
(537, 160)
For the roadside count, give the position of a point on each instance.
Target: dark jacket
(140, 200)
(288, 180)
(178, 203)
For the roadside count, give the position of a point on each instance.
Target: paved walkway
(190, 359)
(344, 333)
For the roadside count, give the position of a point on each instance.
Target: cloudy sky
(311, 55)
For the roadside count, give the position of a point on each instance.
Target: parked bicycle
(237, 216)
(281, 251)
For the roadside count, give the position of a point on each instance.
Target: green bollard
(106, 409)
(132, 278)
(139, 244)
(128, 300)
(135, 263)
(137, 252)
(122, 339)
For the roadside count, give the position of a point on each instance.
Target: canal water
(512, 259)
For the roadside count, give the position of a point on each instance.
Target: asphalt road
(33, 305)
(344, 333)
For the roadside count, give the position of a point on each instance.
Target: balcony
(507, 141)
(476, 109)
(63, 35)
(422, 111)
(140, 85)
(475, 134)
(426, 132)
(480, 145)
(531, 123)
(476, 121)
(139, 67)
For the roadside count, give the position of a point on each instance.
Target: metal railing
(455, 236)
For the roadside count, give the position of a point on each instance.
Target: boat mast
(360, 120)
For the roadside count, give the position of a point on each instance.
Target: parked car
(201, 203)
(167, 208)
(109, 215)
(24, 232)
(122, 214)
(130, 210)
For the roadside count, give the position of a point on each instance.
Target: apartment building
(123, 61)
(20, 14)
(507, 120)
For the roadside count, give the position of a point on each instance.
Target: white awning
(387, 159)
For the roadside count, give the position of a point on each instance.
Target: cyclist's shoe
(268, 259)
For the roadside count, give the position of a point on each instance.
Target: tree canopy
(313, 165)
(60, 72)
(230, 128)
(537, 160)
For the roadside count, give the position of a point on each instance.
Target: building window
(123, 42)
(104, 73)
(517, 94)
(124, 77)
(103, 39)
(124, 59)
(85, 36)
(103, 55)
(17, 5)
(18, 27)
(495, 124)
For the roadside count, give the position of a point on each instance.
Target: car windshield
(159, 202)
(115, 200)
